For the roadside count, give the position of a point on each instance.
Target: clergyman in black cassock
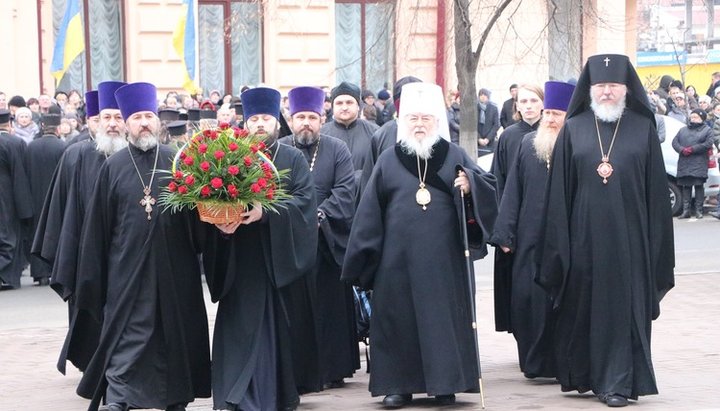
(75, 179)
(607, 254)
(15, 204)
(139, 275)
(529, 104)
(333, 174)
(41, 158)
(353, 130)
(517, 230)
(265, 342)
(406, 245)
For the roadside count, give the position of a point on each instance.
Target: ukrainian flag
(70, 41)
(184, 44)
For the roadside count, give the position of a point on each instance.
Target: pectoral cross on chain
(147, 202)
(607, 61)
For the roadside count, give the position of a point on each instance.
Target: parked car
(670, 157)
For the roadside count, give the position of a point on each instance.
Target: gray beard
(422, 148)
(145, 143)
(307, 138)
(108, 145)
(544, 142)
(608, 113)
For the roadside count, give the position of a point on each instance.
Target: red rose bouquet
(222, 171)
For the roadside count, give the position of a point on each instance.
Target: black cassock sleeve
(91, 279)
(482, 210)
(293, 229)
(339, 207)
(505, 232)
(662, 248)
(367, 234)
(553, 251)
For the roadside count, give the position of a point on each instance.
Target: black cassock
(607, 253)
(333, 175)
(413, 260)
(83, 136)
(15, 206)
(503, 160)
(83, 330)
(264, 343)
(518, 228)
(358, 137)
(141, 278)
(41, 158)
(385, 137)
(49, 226)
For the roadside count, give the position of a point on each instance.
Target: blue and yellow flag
(184, 44)
(70, 41)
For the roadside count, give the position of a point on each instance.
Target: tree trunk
(465, 67)
(710, 6)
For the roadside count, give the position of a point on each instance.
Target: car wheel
(675, 196)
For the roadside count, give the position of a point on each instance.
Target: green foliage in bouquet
(223, 167)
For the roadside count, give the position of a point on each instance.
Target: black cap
(177, 128)
(168, 114)
(208, 114)
(4, 116)
(17, 101)
(50, 120)
(238, 108)
(397, 87)
(346, 88)
(193, 114)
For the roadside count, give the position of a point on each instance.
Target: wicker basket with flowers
(221, 172)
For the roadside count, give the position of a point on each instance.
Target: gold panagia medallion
(422, 196)
(605, 170)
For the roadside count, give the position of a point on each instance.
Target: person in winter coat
(692, 143)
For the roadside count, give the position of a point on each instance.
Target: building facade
(285, 43)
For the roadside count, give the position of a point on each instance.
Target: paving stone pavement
(686, 354)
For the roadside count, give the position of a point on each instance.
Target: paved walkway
(686, 353)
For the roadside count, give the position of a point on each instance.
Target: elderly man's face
(421, 125)
(553, 119)
(263, 124)
(306, 126)
(608, 93)
(143, 124)
(111, 123)
(44, 101)
(224, 116)
(345, 109)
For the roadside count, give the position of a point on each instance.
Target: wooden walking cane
(468, 268)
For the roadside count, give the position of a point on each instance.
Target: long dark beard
(545, 142)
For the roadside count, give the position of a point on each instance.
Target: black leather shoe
(445, 399)
(613, 400)
(176, 407)
(396, 400)
(43, 281)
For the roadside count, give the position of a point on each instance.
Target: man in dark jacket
(508, 109)
(488, 122)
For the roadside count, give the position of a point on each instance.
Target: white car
(670, 157)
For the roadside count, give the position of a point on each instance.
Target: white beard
(109, 145)
(145, 142)
(422, 148)
(608, 113)
(545, 142)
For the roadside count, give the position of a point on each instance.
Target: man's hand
(483, 142)
(506, 250)
(228, 228)
(252, 215)
(462, 182)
